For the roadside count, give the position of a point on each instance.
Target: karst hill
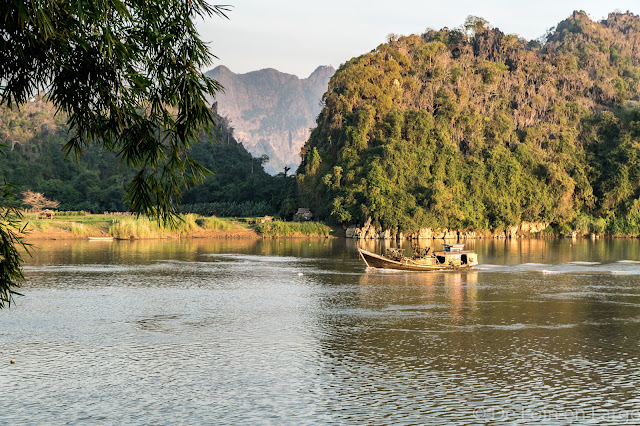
(471, 128)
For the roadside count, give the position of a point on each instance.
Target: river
(298, 332)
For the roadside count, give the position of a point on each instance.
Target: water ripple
(251, 339)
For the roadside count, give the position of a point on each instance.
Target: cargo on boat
(453, 257)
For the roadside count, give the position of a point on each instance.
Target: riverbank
(368, 231)
(80, 225)
(74, 226)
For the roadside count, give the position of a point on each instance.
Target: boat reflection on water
(448, 278)
(455, 291)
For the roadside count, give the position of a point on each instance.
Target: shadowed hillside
(32, 139)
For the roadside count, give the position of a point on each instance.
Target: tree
(10, 243)
(474, 25)
(37, 201)
(127, 77)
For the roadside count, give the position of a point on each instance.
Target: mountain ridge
(271, 111)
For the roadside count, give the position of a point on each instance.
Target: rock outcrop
(368, 231)
(271, 112)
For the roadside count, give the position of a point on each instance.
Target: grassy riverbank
(79, 225)
(293, 229)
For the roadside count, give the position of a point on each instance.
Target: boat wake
(622, 267)
(254, 257)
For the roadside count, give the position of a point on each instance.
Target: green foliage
(283, 229)
(214, 223)
(12, 246)
(80, 230)
(238, 185)
(135, 228)
(143, 227)
(186, 224)
(475, 24)
(483, 130)
(71, 213)
(563, 229)
(229, 209)
(598, 226)
(126, 75)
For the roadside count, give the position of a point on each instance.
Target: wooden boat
(100, 238)
(453, 257)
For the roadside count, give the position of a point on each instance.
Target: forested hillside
(34, 159)
(472, 128)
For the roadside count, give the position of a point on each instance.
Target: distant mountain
(272, 112)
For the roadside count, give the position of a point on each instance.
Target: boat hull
(373, 260)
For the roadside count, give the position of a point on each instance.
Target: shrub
(79, 230)
(136, 228)
(563, 229)
(283, 229)
(598, 226)
(187, 223)
(213, 223)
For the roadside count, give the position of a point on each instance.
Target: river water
(298, 332)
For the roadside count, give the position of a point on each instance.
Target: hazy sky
(296, 36)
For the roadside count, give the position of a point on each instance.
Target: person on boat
(395, 254)
(420, 252)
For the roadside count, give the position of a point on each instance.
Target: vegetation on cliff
(471, 128)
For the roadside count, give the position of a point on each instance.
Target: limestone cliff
(272, 112)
